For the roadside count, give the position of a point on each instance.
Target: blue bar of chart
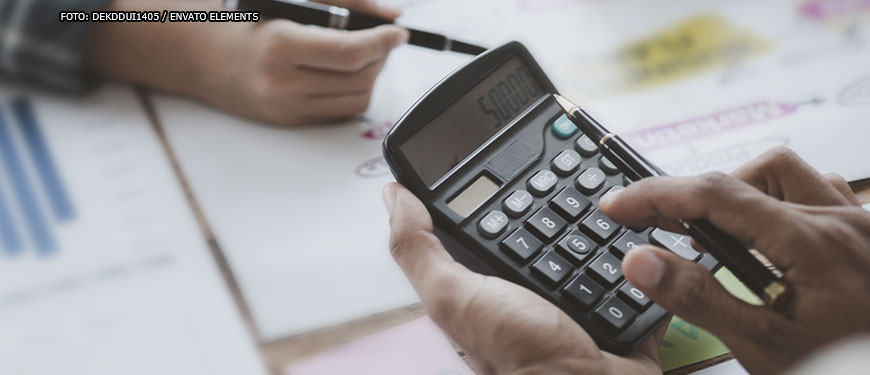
(25, 187)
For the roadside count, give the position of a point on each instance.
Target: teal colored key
(563, 127)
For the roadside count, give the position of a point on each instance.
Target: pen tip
(566, 104)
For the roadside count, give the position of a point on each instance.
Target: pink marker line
(705, 126)
(823, 10)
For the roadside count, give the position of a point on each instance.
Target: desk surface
(278, 354)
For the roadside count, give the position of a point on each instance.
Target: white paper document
(103, 269)
(702, 85)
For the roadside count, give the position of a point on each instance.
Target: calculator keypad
(551, 230)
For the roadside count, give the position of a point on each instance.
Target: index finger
(728, 203)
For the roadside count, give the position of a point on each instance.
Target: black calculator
(513, 188)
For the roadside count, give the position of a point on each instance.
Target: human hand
(274, 71)
(808, 225)
(504, 328)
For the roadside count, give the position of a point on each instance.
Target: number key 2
(552, 267)
(607, 268)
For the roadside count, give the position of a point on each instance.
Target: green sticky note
(685, 344)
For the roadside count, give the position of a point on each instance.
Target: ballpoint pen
(311, 13)
(729, 251)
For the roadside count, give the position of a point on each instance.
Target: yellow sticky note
(699, 44)
(685, 344)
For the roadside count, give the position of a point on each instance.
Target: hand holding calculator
(513, 188)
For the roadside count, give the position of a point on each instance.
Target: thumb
(413, 245)
(690, 291)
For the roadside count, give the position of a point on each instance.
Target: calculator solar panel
(513, 188)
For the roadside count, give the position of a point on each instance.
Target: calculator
(512, 186)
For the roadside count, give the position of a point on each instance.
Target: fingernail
(650, 269)
(388, 194)
(608, 198)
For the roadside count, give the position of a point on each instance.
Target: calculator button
(518, 203)
(570, 203)
(563, 127)
(626, 242)
(606, 268)
(585, 146)
(552, 267)
(634, 296)
(615, 314)
(590, 180)
(599, 226)
(576, 246)
(607, 165)
(521, 244)
(566, 162)
(584, 291)
(493, 224)
(677, 243)
(542, 183)
(546, 224)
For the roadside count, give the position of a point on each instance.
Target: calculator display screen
(471, 120)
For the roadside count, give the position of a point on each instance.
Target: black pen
(311, 13)
(728, 250)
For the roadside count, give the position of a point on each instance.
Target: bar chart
(33, 198)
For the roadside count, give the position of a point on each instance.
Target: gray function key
(675, 242)
(566, 162)
(585, 146)
(607, 165)
(542, 183)
(590, 181)
(518, 203)
(493, 224)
